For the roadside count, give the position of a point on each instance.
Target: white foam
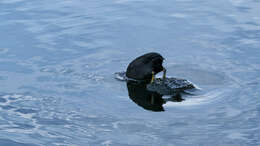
(196, 100)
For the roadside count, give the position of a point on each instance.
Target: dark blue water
(57, 59)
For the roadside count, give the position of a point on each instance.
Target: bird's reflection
(148, 100)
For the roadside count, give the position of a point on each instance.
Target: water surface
(57, 60)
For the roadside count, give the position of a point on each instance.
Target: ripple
(179, 15)
(14, 67)
(3, 50)
(10, 1)
(195, 100)
(237, 2)
(7, 107)
(3, 100)
(53, 121)
(129, 1)
(26, 111)
(198, 75)
(3, 77)
(6, 142)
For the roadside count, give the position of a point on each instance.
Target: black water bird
(146, 90)
(145, 66)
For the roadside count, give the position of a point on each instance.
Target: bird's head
(143, 67)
